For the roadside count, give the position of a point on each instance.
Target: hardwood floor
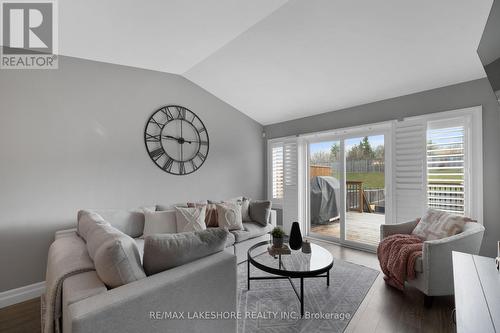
(383, 310)
(21, 318)
(386, 310)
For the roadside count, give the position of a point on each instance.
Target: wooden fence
(359, 166)
(318, 170)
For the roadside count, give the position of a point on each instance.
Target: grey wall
(493, 72)
(473, 93)
(73, 138)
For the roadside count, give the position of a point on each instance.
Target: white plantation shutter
(409, 165)
(446, 165)
(291, 184)
(277, 177)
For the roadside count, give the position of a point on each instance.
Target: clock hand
(180, 140)
(170, 137)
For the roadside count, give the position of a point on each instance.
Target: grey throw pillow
(260, 211)
(245, 214)
(165, 251)
(115, 255)
(118, 262)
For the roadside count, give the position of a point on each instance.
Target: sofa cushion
(436, 224)
(140, 246)
(86, 221)
(190, 219)
(130, 222)
(245, 213)
(117, 260)
(229, 216)
(260, 211)
(99, 235)
(251, 230)
(140, 243)
(162, 222)
(165, 251)
(161, 207)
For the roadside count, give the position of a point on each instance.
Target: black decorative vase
(295, 240)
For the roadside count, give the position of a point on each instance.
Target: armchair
(435, 272)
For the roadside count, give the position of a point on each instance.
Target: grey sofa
(434, 268)
(206, 284)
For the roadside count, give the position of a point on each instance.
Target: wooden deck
(361, 227)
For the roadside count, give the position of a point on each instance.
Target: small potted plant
(278, 235)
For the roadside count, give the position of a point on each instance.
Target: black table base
(300, 294)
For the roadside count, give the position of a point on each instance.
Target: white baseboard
(21, 294)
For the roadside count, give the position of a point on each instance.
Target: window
(277, 172)
(438, 164)
(446, 164)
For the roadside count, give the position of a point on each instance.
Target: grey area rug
(272, 306)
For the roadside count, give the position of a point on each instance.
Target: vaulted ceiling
(277, 60)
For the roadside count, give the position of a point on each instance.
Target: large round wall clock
(176, 140)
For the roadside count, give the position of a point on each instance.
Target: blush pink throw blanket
(397, 255)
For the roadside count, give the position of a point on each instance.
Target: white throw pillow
(229, 216)
(190, 219)
(163, 222)
(437, 224)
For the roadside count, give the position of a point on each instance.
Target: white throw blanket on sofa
(68, 256)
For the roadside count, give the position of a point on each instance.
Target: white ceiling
(315, 56)
(164, 35)
(277, 60)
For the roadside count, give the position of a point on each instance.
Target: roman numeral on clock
(153, 121)
(168, 113)
(182, 168)
(157, 153)
(168, 164)
(181, 113)
(152, 138)
(200, 155)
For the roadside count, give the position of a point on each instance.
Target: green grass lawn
(369, 179)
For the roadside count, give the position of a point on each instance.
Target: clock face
(176, 140)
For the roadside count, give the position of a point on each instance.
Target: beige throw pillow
(229, 216)
(163, 222)
(211, 219)
(190, 219)
(437, 224)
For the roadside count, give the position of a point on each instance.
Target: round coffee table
(287, 266)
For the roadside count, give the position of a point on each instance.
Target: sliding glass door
(324, 188)
(347, 188)
(365, 188)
